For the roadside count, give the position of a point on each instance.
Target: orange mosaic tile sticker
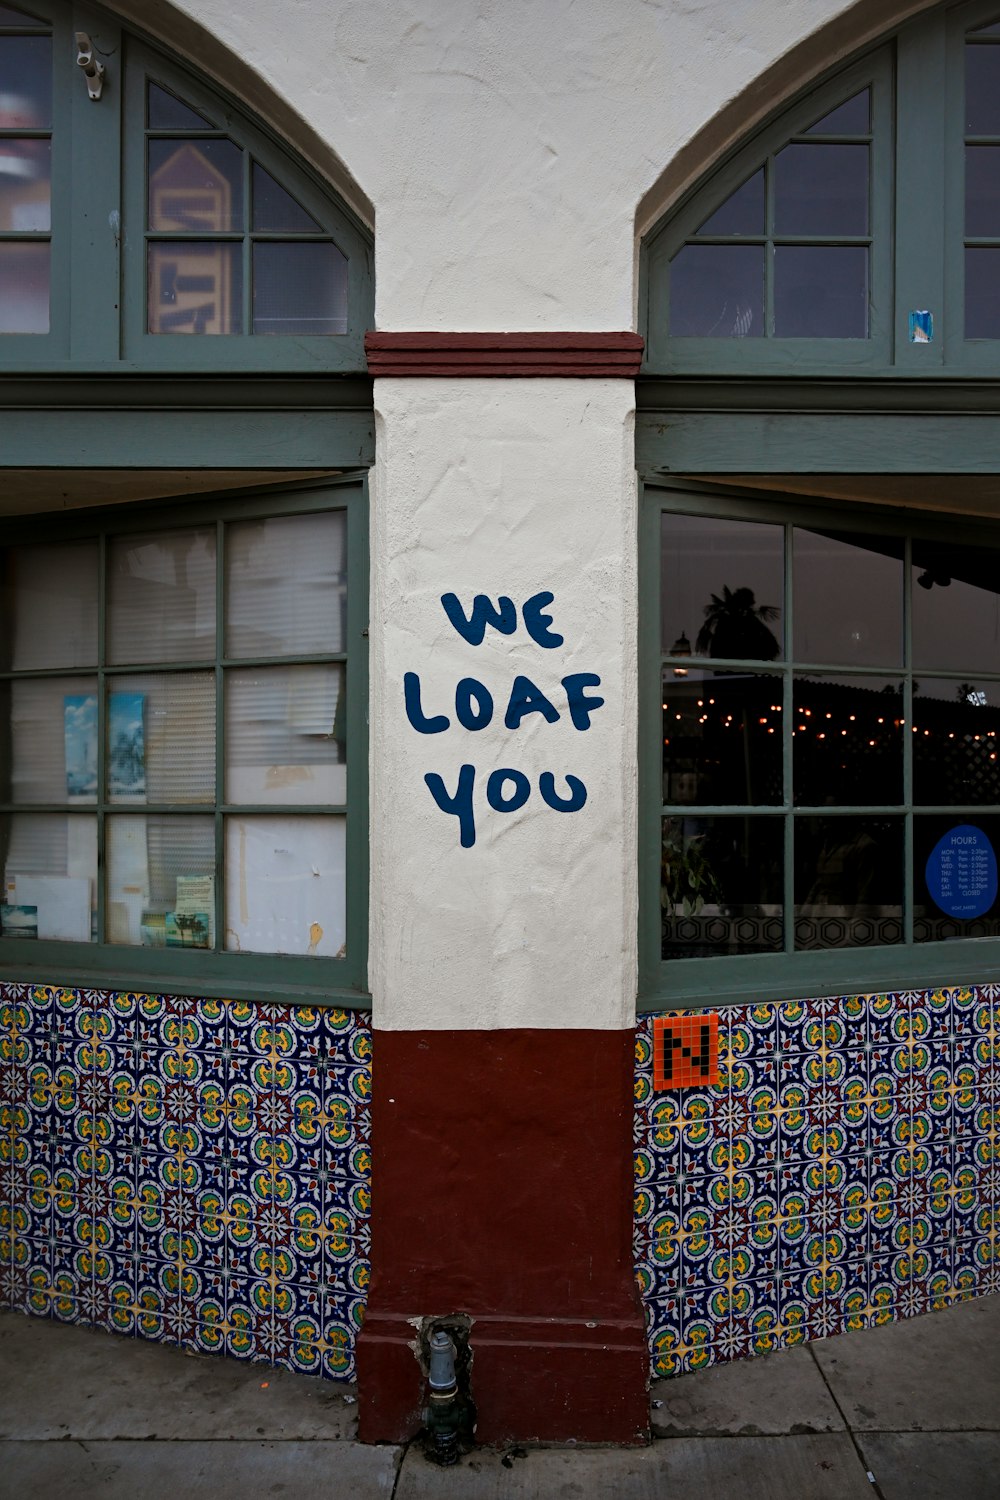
(685, 1051)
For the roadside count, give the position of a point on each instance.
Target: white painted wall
(506, 148)
(503, 487)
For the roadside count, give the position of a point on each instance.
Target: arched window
(182, 684)
(858, 233)
(821, 554)
(141, 205)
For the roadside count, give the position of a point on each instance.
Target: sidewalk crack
(862, 1460)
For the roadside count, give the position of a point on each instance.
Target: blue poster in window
(961, 873)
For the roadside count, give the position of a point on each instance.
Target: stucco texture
(503, 488)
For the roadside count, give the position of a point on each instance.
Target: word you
(507, 789)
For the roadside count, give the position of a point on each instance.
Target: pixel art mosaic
(190, 1171)
(843, 1171)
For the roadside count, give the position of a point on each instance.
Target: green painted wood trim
(115, 391)
(808, 443)
(136, 439)
(921, 180)
(113, 970)
(886, 395)
(704, 983)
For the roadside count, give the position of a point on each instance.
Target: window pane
(956, 608)
(25, 184)
(721, 886)
(982, 90)
(286, 585)
(853, 117)
(821, 190)
(161, 596)
(50, 606)
(26, 81)
(196, 186)
(955, 877)
(49, 876)
(848, 882)
(53, 738)
(955, 742)
(742, 212)
(820, 292)
(723, 587)
(276, 210)
(195, 287)
(161, 737)
(847, 742)
(166, 112)
(299, 289)
(285, 735)
(982, 294)
(160, 869)
(722, 738)
(865, 576)
(286, 885)
(982, 190)
(717, 292)
(24, 287)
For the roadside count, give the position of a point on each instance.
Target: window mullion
(908, 742)
(788, 724)
(102, 759)
(220, 730)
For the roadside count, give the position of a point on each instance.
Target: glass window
(829, 765)
(260, 264)
(788, 254)
(197, 735)
(25, 172)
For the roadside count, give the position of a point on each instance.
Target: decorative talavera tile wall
(844, 1171)
(190, 1171)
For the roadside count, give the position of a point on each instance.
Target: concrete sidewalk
(915, 1405)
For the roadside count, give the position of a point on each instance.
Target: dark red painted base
(502, 1189)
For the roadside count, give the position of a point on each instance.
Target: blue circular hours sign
(961, 873)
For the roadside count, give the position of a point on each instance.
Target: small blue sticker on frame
(921, 327)
(961, 873)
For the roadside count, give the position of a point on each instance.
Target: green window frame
(708, 981)
(98, 232)
(251, 975)
(917, 219)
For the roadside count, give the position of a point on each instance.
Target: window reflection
(722, 885)
(865, 575)
(848, 881)
(847, 738)
(956, 607)
(722, 739)
(717, 292)
(956, 738)
(723, 587)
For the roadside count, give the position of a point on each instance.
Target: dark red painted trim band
(505, 1184)
(589, 356)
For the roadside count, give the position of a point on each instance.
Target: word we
(507, 789)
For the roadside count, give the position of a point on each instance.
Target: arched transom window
(137, 204)
(858, 232)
